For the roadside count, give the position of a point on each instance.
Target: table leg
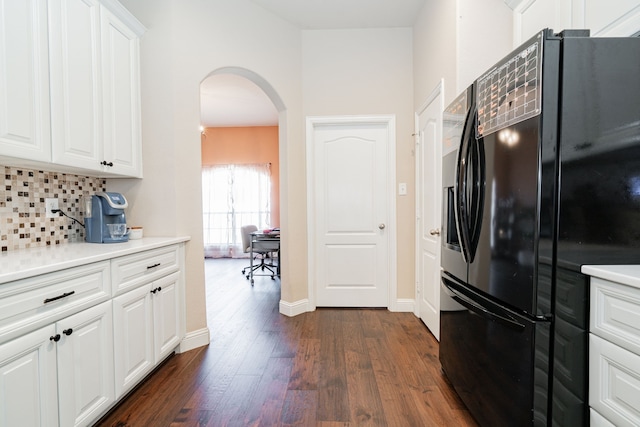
(251, 260)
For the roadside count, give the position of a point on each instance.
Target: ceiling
(334, 14)
(227, 100)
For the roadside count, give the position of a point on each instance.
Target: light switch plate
(402, 189)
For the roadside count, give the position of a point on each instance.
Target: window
(233, 196)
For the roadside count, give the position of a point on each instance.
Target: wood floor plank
(258, 354)
(371, 325)
(192, 418)
(306, 365)
(265, 407)
(299, 408)
(333, 395)
(223, 373)
(364, 398)
(399, 406)
(311, 325)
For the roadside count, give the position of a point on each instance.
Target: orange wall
(243, 145)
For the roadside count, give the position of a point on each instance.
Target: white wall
(485, 36)
(434, 50)
(458, 40)
(185, 41)
(369, 71)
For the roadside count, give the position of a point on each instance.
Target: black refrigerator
(546, 178)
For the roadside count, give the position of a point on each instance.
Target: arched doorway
(238, 109)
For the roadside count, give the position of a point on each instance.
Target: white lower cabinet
(146, 329)
(132, 337)
(597, 420)
(61, 374)
(166, 317)
(85, 365)
(614, 353)
(75, 340)
(28, 380)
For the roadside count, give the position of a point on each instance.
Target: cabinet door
(132, 338)
(166, 314)
(85, 365)
(24, 80)
(28, 393)
(121, 94)
(76, 96)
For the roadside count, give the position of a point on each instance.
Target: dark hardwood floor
(328, 368)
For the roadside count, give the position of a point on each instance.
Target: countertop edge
(625, 274)
(25, 263)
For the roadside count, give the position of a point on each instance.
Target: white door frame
(438, 90)
(390, 122)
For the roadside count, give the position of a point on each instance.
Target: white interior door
(351, 211)
(428, 201)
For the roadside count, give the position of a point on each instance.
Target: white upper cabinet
(95, 94)
(69, 86)
(76, 97)
(613, 18)
(121, 95)
(24, 80)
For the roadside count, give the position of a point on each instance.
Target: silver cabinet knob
(434, 232)
(381, 226)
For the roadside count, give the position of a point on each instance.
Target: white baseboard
(404, 305)
(194, 339)
(294, 308)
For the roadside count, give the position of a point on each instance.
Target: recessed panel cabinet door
(121, 95)
(76, 97)
(85, 365)
(28, 393)
(132, 337)
(166, 315)
(24, 80)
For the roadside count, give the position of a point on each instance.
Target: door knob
(434, 232)
(381, 226)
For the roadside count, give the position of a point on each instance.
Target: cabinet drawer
(616, 313)
(614, 382)
(129, 272)
(31, 303)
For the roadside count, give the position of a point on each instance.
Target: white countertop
(626, 274)
(23, 263)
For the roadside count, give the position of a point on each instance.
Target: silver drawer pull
(149, 267)
(66, 294)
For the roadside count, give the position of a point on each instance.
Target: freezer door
(496, 360)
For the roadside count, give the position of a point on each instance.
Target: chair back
(246, 231)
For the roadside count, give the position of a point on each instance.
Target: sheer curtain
(233, 196)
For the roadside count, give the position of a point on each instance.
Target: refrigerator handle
(477, 190)
(460, 188)
(482, 311)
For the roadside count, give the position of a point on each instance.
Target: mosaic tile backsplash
(23, 223)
